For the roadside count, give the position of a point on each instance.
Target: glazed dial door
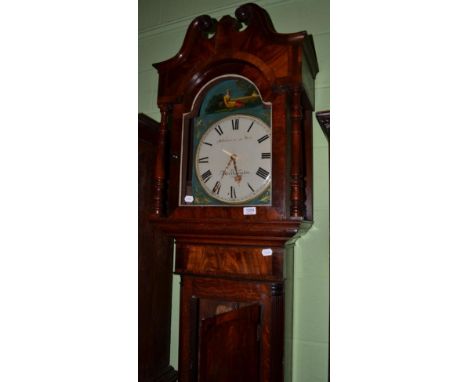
(233, 159)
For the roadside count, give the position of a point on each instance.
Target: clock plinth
(232, 185)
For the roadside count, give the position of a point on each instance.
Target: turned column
(297, 177)
(160, 163)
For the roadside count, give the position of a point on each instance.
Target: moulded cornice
(205, 27)
(213, 47)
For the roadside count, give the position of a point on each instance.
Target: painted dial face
(233, 159)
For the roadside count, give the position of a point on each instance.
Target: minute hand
(227, 152)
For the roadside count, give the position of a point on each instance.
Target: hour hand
(237, 178)
(224, 172)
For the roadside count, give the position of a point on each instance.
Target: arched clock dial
(233, 159)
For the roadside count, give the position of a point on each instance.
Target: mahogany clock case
(275, 63)
(232, 264)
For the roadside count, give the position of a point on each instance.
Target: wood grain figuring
(196, 289)
(228, 263)
(229, 349)
(212, 260)
(219, 249)
(270, 59)
(212, 307)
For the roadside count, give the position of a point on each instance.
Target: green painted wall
(162, 27)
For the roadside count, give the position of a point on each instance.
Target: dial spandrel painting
(231, 146)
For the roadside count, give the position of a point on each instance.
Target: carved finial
(243, 13)
(251, 12)
(205, 23)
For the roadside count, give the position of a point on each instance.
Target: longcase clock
(232, 184)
